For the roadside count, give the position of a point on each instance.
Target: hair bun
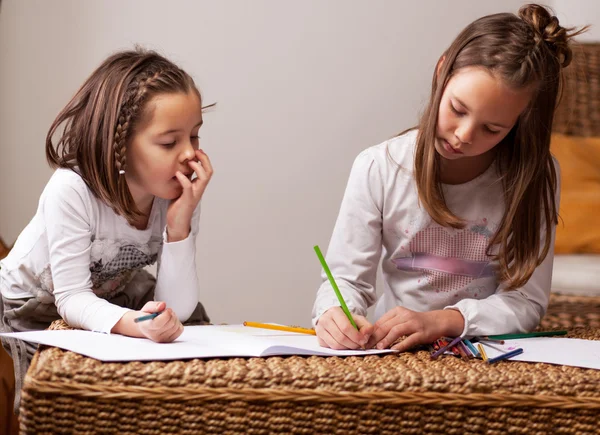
(546, 29)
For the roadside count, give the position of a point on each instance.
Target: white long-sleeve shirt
(425, 266)
(78, 253)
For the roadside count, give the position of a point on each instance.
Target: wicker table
(407, 393)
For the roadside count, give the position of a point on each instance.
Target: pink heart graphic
(449, 262)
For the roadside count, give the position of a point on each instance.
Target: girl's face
(164, 143)
(476, 112)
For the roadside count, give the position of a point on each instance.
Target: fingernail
(380, 346)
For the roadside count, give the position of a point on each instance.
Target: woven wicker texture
(565, 312)
(406, 393)
(578, 113)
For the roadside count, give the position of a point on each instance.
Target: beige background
(301, 86)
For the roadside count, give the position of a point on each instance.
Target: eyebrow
(178, 130)
(467, 107)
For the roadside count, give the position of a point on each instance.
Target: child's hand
(335, 331)
(180, 211)
(164, 328)
(421, 328)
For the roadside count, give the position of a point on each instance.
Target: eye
(455, 110)
(490, 131)
(168, 145)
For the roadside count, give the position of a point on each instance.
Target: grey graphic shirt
(78, 254)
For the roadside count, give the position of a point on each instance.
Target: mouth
(449, 148)
(188, 176)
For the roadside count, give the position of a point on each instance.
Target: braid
(132, 101)
(120, 135)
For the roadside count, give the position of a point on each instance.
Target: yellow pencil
(482, 352)
(280, 328)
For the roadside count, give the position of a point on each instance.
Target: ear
(438, 68)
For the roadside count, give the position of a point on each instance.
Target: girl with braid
(125, 195)
(463, 208)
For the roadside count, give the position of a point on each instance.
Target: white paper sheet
(196, 342)
(564, 351)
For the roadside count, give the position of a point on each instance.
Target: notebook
(210, 341)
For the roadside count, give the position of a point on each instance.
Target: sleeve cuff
(109, 323)
(322, 308)
(465, 317)
(181, 247)
(166, 242)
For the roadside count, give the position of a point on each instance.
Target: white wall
(301, 86)
(579, 13)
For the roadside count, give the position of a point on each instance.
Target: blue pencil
(474, 351)
(148, 317)
(505, 356)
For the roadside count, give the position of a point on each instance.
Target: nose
(465, 132)
(188, 152)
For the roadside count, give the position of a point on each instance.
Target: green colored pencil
(334, 285)
(526, 335)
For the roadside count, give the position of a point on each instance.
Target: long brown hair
(101, 118)
(524, 51)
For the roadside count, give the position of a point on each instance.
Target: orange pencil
(280, 328)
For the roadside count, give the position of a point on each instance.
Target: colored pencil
(525, 335)
(505, 356)
(482, 351)
(148, 317)
(489, 340)
(280, 328)
(464, 351)
(474, 351)
(334, 285)
(442, 349)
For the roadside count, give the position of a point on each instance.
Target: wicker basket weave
(566, 312)
(407, 393)
(578, 113)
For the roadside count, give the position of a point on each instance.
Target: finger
(185, 182)
(173, 334)
(386, 317)
(333, 321)
(154, 306)
(394, 333)
(365, 328)
(408, 343)
(164, 321)
(344, 333)
(327, 340)
(199, 184)
(176, 334)
(376, 337)
(206, 164)
(198, 169)
(321, 342)
(166, 332)
(394, 312)
(381, 330)
(345, 326)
